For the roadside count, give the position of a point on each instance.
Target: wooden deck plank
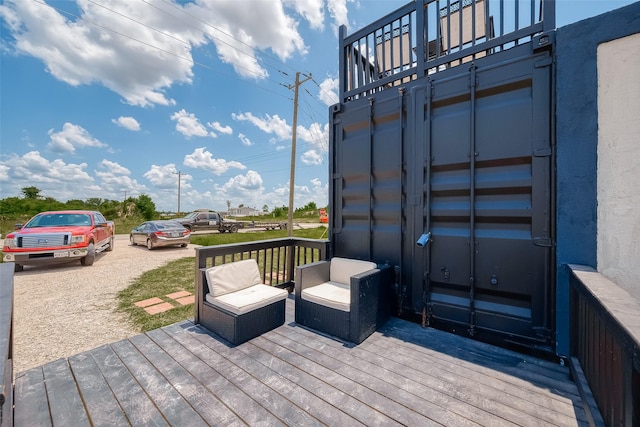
(403, 407)
(190, 387)
(65, 403)
(30, 392)
(136, 404)
(488, 358)
(321, 382)
(419, 393)
(175, 409)
(247, 409)
(540, 403)
(100, 403)
(403, 374)
(225, 376)
(287, 389)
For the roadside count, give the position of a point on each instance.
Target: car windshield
(59, 220)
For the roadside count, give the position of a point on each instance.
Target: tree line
(32, 202)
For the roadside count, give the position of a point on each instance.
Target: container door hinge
(542, 41)
(542, 152)
(543, 241)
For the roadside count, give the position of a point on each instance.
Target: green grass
(179, 275)
(175, 276)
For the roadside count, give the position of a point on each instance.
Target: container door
(486, 200)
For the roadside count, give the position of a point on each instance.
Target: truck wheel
(110, 247)
(149, 244)
(234, 229)
(18, 268)
(222, 230)
(91, 255)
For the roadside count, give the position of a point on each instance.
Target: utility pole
(179, 175)
(292, 174)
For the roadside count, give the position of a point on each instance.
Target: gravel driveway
(61, 310)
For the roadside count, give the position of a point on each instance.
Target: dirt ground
(65, 309)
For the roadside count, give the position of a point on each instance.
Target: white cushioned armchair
(237, 305)
(342, 297)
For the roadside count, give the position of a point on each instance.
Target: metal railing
(425, 37)
(277, 260)
(605, 344)
(6, 344)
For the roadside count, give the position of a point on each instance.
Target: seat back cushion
(342, 269)
(231, 277)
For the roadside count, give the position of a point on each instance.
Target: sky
(113, 99)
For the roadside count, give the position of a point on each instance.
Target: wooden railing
(6, 344)
(605, 346)
(277, 259)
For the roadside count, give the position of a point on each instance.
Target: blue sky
(112, 98)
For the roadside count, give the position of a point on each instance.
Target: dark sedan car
(154, 234)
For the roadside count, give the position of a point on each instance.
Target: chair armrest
(201, 291)
(310, 275)
(366, 289)
(366, 286)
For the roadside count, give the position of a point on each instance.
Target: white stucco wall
(619, 162)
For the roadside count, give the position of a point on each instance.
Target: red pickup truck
(59, 236)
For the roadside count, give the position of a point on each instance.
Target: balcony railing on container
(425, 37)
(277, 259)
(605, 345)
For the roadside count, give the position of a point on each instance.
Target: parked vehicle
(58, 236)
(208, 220)
(269, 225)
(159, 233)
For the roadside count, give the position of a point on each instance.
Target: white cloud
(311, 10)
(270, 124)
(70, 137)
(139, 50)
(166, 177)
(238, 33)
(338, 11)
(115, 181)
(127, 123)
(189, 125)
(55, 178)
(202, 159)
(311, 157)
(114, 168)
(245, 141)
(226, 130)
(329, 91)
(303, 194)
(316, 135)
(243, 184)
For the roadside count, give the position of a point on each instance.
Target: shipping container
(441, 164)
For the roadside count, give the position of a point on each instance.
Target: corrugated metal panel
(466, 156)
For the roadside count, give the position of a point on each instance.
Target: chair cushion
(225, 278)
(329, 294)
(342, 269)
(248, 299)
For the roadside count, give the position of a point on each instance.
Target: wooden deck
(401, 375)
